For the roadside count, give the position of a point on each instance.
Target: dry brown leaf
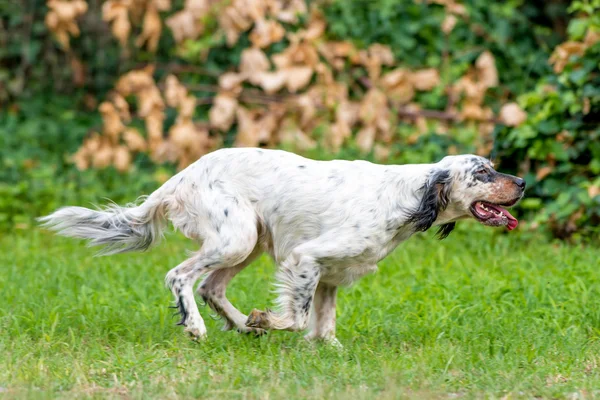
(298, 77)
(154, 127)
(449, 23)
(395, 77)
(134, 140)
(149, 99)
(288, 11)
(471, 111)
(562, 53)
(543, 172)
(348, 112)
(271, 82)
(235, 19)
(308, 108)
(382, 53)
(121, 105)
(232, 82)
(593, 191)
(381, 152)
(486, 68)
(115, 12)
(151, 30)
(103, 157)
(185, 25)
(175, 92)
(372, 105)
(111, 122)
(248, 130)
(122, 159)
(425, 79)
(316, 26)
(591, 37)
(222, 113)
(266, 32)
(135, 81)
(81, 159)
(187, 107)
(512, 115)
(290, 135)
(61, 19)
(365, 138)
(252, 62)
(336, 135)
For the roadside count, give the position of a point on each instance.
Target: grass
(477, 315)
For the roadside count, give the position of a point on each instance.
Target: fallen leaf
(425, 79)
(543, 172)
(271, 82)
(512, 115)
(134, 140)
(298, 77)
(266, 32)
(223, 111)
(252, 62)
(593, 191)
(365, 138)
(486, 67)
(115, 12)
(562, 53)
(232, 81)
(122, 158)
(449, 23)
(151, 30)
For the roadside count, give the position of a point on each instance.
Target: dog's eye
(482, 171)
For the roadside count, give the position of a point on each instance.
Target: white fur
(327, 222)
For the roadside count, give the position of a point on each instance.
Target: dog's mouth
(494, 214)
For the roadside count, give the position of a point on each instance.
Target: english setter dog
(325, 223)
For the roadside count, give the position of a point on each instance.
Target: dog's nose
(520, 183)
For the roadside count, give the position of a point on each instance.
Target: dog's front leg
(322, 319)
(297, 281)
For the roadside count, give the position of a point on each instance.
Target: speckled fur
(325, 223)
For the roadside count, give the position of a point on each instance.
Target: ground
(480, 314)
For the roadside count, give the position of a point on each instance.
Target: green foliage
(478, 316)
(36, 175)
(562, 138)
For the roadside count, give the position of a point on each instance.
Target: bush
(558, 148)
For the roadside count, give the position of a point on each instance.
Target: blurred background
(109, 98)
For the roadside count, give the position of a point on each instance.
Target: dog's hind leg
(213, 291)
(226, 247)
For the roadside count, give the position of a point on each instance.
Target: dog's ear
(436, 195)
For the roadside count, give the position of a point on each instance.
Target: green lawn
(478, 315)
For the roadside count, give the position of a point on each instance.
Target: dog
(325, 223)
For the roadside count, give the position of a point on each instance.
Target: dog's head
(467, 186)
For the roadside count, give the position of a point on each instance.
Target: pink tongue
(512, 221)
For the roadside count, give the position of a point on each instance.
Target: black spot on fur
(436, 195)
(303, 276)
(226, 212)
(301, 166)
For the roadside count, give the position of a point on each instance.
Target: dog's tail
(119, 229)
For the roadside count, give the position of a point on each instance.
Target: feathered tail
(119, 229)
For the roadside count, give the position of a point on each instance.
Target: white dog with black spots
(325, 223)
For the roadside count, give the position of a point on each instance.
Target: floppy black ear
(436, 195)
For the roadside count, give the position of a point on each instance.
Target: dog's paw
(258, 319)
(256, 332)
(196, 333)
